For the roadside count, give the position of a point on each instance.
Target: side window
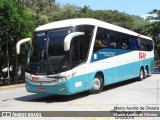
(111, 39)
(140, 44)
(125, 42)
(148, 45)
(79, 50)
(145, 45)
(80, 45)
(75, 53)
(115, 41)
(133, 43)
(101, 39)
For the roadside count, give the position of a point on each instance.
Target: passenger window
(101, 39)
(141, 44)
(115, 40)
(133, 43)
(111, 39)
(125, 43)
(148, 45)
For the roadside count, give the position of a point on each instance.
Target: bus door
(78, 57)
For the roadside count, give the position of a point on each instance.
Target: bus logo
(35, 78)
(142, 55)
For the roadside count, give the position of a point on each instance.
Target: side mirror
(18, 46)
(69, 37)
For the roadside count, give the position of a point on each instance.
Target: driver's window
(81, 44)
(79, 50)
(75, 52)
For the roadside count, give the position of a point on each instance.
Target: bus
(84, 54)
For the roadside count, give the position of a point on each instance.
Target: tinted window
(125, 42)
(37, 46)
(102, 39)
(80, 45)
(115, 41)
(148, 45)
(133, 43)
(56, 42)
(111, 39)
(144, 44)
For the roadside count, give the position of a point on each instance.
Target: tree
(153, 29)
(16, 23)
(37, 7)
(139, 25)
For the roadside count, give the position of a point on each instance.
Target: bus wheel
(98, 84)
(146, 72)
(142, 74)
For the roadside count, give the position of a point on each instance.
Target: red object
(142, 55)
(35, 78)
(42, 89)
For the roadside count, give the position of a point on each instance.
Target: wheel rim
(141, 74)
(96, 84)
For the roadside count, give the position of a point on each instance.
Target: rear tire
(146, 72)
(142, 75)
(98, 84)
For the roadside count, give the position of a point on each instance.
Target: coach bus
(75, 55)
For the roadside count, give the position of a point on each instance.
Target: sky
(132, 7)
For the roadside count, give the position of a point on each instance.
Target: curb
(12, 86)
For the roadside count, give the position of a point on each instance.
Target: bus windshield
(47, 53)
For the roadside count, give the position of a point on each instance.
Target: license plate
(42, 89)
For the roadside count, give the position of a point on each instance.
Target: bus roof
(87, 21)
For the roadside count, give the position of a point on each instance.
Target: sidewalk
(12, 86)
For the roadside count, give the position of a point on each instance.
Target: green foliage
(153, 29)
(38, 9)
(16, 23)
(139, 25)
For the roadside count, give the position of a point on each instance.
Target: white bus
(75, 55)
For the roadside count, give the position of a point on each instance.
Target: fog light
(62, 89)
(27, 87)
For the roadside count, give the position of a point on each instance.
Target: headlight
(67, 77)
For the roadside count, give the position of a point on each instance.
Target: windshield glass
(47, 53)
(38, 45)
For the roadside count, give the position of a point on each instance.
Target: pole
(16, 74)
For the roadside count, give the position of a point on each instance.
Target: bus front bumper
(58, 89)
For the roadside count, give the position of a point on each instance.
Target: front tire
(98, 84)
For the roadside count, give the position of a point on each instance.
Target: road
(129, 93)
